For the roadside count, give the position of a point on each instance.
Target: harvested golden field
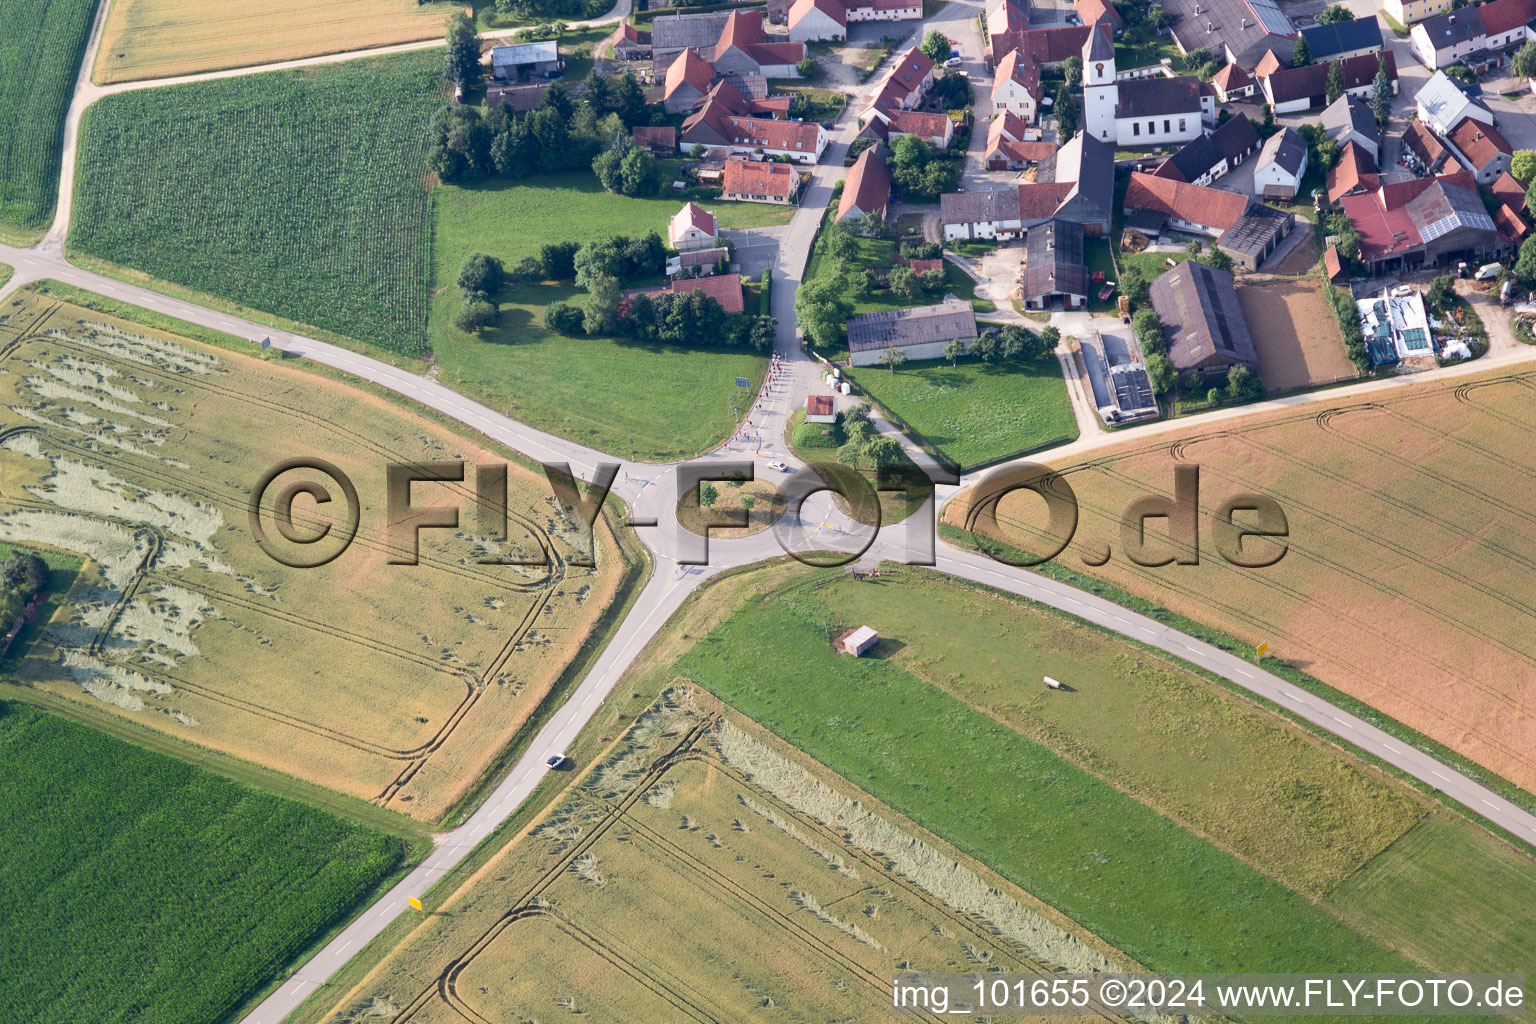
(397, 683)
(164, 38)
(1406, 583)
(705, 871)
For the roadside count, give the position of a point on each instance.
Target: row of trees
(561, 134)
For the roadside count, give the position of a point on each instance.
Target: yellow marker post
(415, 903)
(1262, 649)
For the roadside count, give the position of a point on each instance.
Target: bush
(481, 273)
(559, 260)
(563, 318)
(921, 250)
(476, 314)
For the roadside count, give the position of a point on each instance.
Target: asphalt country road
(650, 491)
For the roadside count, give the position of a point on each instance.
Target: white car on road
(776, 464)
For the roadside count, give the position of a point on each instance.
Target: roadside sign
(266, 343)
(742, 382)
(415, 903)
(1262, 649)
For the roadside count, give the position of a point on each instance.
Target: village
(1184, 191)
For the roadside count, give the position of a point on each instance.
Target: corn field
(41, 42)
(301, 194)
(128, 874)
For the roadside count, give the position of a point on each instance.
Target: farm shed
(857, 641)
(820, 409)
(508, 63)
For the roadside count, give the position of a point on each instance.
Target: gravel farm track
(650, 492)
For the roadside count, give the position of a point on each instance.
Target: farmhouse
(922, 332)
(1282, 164)
(1239, 30)
(692, 227)
(1232, 83)
(1472, 34)
(1244, 230)
(1142, 111)
(1354, 173)
(725, 120)
(759, 181)
(1406, 12)
(1016, 87)
(1202, 321)
(903, 87)
(509, 63)
(820, 409)
(1442, 105)
(1010, 149)
(1347, 120)
(1508, 191)
(1006, 21)
(1054, 274)
(866, 190)
(688, 81)
(884, 10)
(744, 49)
(1212, 156)
(815, 20)
(1076, 184)
(1050, 47)
(1289, 89)
(677, 32)
(857, 641)
(1425, 222)
(1343, 39)
(1100, 12)
(1480, 148)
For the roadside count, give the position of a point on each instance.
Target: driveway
(757, 249)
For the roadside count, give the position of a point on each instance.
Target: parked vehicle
(1488, 271)
(953, 62)
(554, 761)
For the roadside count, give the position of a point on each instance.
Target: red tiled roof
(1020, 152)
(1210, 207)
(913, 122)
(1094, 11)
(1481, 143)
(1332, 264)
(1384, 226)
(1507, 190)
(867, 187)
(1268, 65)
(831, 8)
(1231, 77)
(911, 69)
(819, 405)
(1039, 200)
(1288, 84)
(1008, 126)
(691, 69)
(773, 106)
(1355, 172)
(1418, 138)
(1007, 16)
(723, 288)
(1510, 224)
(661, 137)
(1505, 15)
(923, 266)
(1050, 45)
(1021, 69)
(758, 178)
(762, 133)
(694, 215)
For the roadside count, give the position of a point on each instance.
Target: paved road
(650, 491)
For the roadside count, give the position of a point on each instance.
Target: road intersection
(650, 492)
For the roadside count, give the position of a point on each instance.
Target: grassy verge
(975, 413)
(139, 315)
(5, 273)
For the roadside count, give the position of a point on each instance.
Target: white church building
(1140, 111)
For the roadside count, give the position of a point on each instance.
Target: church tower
(1100, 93)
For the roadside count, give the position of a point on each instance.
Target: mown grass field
(1413, 510)
(141, 889)
(394, 683)
(651, 403)
(164, 38)
(1138, 879)
(734, 881)
(302, 194)
(40, 49)
(975, 412)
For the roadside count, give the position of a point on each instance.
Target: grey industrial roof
(1442, 209)
(1254, 232)
(684, 31)
(1200, 314)
(1091, 164)
(979, 207)
(1054, 260)
(944, 321)
(1327, 41)
(1246, 27)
